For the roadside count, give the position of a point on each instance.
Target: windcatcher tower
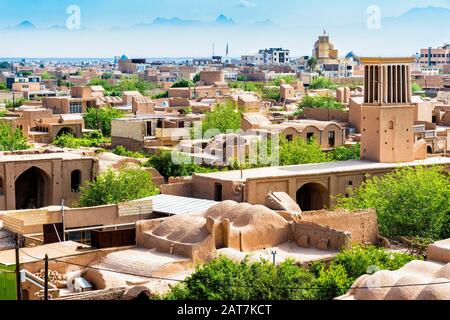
(387, 115)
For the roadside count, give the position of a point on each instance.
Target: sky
(296, 25)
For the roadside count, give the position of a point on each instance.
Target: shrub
(223, 279)
(162, 161)
(409, 202)
(320, 102)
(224, 117)
(122, 151)
(100, 119)
(117, 186)
(321, 83)
(299, 151)
(91, 139)
(183, 83)
(12, 139)
(344, 153)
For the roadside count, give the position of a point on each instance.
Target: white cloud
(246, 4)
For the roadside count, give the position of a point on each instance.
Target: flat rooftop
(54, 251)
(42, 156)
(171, 205)
(318, 168)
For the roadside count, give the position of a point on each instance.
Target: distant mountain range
(422, 17)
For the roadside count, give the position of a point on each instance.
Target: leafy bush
(183, 83)
(3, 85)
(320, 102)
(409, 202)
(287, 79)
(271, 94)
(321, 83)
(416, 87)
(224, 117)
(91, 139)
(357, 260)
(12, 139)
(344, 153)
(126, 83)
(117, 186)
(162, 161)
(223, 279)
(100, 119)
(122, 151)
(299, 151)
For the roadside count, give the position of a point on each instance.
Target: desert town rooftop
(318, 168)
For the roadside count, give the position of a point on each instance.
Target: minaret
(387, 115)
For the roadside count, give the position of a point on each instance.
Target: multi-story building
(324, 50)
(435, 56)
(275, 55)
(22, 84)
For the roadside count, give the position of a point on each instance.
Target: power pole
(62, 220)
(18, 278)
(46, 277)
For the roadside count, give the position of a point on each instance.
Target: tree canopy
(100, 119)
(183, 83)
(409, 202)
(224, 117)
(12, 139)
(113, 186)
(321, 83)
(320, 102)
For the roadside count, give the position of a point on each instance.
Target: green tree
(344, 153)
(12, 139)
(3, 85)
(416, 87)
(223, 279)
(4, 65)
(224, 117)
(46, 76)
(320, 102)
(320, 83)
(288, 79)
(91, 139)
(299, 151)
(183, 83)
(312, 63)
(100, 119)
(117, 186)
(196, 77)
(182, 167)
(409, 202)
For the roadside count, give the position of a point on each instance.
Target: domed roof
(124, 57)
(351, 54)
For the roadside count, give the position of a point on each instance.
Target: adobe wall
(204, 188)
(362, 224)
(183, 189)
(326, 114)
(313, 235)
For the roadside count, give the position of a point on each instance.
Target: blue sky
(298, 21)
(106, 13)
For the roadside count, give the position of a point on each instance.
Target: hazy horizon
(188, 28)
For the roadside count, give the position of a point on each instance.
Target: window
(149, 128)
(391, 125)
(310, 136)
(331, 138)
(218, 192)
(75, 107)
(181, 124)
(218, 93)
(75, 181)
(159, 123)
(289, 137)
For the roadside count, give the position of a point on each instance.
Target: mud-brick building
(33, 180)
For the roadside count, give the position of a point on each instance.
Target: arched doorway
(64, 131)
(429, 150)
(30, 189)
(313, 196)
